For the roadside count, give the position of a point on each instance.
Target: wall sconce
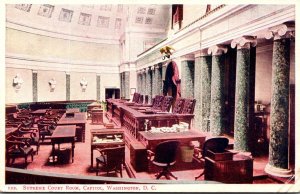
(17, 82)
(83, 84)
(166, 51)
(52, 84)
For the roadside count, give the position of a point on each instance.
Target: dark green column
(121, 84)
(34, 86)
(68, 89)
(153, 82)
(148, 82)
(241, 119)
(279, 116)
(202, 92)
(145, 82)
(158, 74)
(126, 84)
(187, 79)
(98, 87)
(217, 91)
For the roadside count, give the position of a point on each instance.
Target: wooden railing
(21, 176)
(134, 121)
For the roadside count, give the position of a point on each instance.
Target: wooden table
(103, 133)
(79, 120)
(10, 130)
(150, 140)
(39, 112)
(64, 134)
(72, 110)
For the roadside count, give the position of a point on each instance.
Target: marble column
(98, 87)
(121, 86)
(187, 79)
(159, 79)
(243, 103)
(278, 164)
(148, 82)
(34, 86)
(68, 88)
(145, 82)
(217, 89)
(202, 91)
(153, 83)
(127, 84)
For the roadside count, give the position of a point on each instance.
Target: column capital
(244, 42)
(286, 30)
(202, 53)
(217, 50)
(67, 73)
(152, 68)
(189, 57)
(34, 71)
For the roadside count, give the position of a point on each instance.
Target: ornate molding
(244, 42)
(286, 30)
(217, 50)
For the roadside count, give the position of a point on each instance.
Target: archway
(172, 82)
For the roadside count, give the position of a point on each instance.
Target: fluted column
(278, 164)
(202, 91)
(217, 89)
(148, 82)
(243, 102)
(187, 79)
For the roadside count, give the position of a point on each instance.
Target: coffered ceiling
(97, 21)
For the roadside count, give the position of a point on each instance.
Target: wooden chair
(189, 106)
(16, 149)
(111, 159)
(157, 102)
(216, 144)
(30, 135)
(164, 156)
(135, 97)
(141, 99)
(178, 106)
(46, 128)
(166, 104)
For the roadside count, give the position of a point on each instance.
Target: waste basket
(187, 153)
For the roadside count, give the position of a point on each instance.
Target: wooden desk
(103, 133)
(150, 140)
(79, 120)
(39, 112)
(10, 130)
(133, 120)
(72, 110)
(237, 170)
(97, 116)
(63, 134)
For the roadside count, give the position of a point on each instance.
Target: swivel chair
(164, 156)
(216, 144)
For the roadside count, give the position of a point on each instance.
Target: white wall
(43, 87)
(76, 92)
(25, 92)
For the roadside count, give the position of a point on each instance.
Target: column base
(279, 172)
